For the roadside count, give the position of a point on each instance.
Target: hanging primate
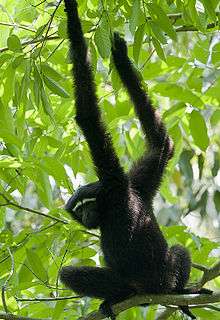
(138, 259)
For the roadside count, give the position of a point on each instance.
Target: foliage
(43, 156)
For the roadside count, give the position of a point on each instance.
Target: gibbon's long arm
(146, 174)
(150, 121)
(88, 115)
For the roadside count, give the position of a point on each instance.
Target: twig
(89, 233)
(193, 28)
(49, 25)
(13, 204)
(38, 4)
(10, 316)
(33, 41)
(14, 25)
(199, 267)
(4, 287)
(47, 299)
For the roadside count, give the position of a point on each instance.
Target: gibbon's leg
(88, 114)
(179, 266)
(96, 282)
(149, 169)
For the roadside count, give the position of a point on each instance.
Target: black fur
(136, 253)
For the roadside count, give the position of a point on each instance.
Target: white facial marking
(81, 203)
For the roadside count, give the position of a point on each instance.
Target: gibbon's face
(87, 211)
(82, 205)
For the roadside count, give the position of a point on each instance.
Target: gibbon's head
(82, 205)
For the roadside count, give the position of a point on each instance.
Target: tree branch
(13, 204)
(177, 300)
(208, 275)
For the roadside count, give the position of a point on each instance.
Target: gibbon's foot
(106, 309)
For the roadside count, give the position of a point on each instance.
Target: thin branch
(90, 233)
(199, 267)
(33, 41)
(5, 285)
(208, 275)
(177, 300)
(55, 49)
(49, 25)
(37, 5)
(13, 204)
(10, 316)
(193, 28)
(47, 299)
(14, 25)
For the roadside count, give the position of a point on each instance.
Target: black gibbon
(138, 259)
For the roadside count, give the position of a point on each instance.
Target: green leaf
(102, 39)
(9, 84)
(135, 16)
(198, 130)
(55, 87)
(62, 29)
(10, 137)
(9, 162)
(209, 7)
(160, 18)
(38, 85)
(54, 168)
(177, 92)
(14, 43)
(215, 118)
(51, 72)
(156, 32)
(58, 310)
(4, 57)
(159, 49)
(36, 265)
(46, 103)
(216, 165)
(94, 58)
(185, 165)
(216, 199)
(138, 38)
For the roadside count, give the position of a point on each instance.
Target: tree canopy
(174, 45)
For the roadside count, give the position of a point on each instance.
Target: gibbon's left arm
(88, 115)
(147, 172)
